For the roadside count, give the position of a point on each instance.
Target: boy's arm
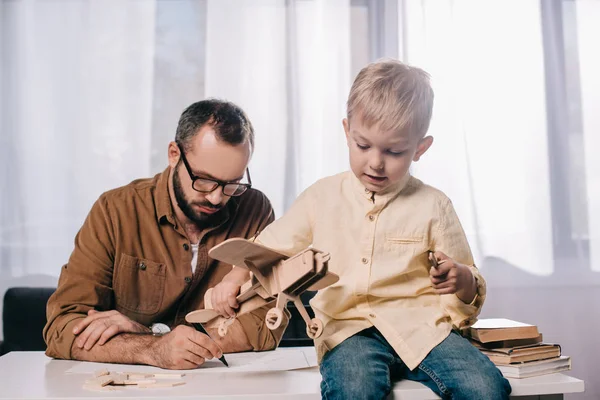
(449, 238)
(293, 232)
(289, 234)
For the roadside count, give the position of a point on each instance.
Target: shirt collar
(381, 197)
(162, 199)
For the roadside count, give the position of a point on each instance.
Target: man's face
(212, 159)
(378, 158)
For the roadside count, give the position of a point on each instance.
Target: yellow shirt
(378, 245)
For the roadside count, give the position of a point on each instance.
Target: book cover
(499, 329)
(535, 368)
(508, 343)
(522, 354)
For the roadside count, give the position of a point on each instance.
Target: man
(141, 256)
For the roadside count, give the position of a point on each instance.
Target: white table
(32, 375)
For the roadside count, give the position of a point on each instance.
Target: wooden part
(168, 376)
(201, 316)
(119, 379)
(237, 250)
(329, 279)
(105, 380)
(161, 385)
(275, 277)
(222, 330)
(137, 375)
(265, 277)
(139, 381)
(101, 372)
(248, 290)
(100, 388)
(294, 271)
(315, 328)
(274, 318)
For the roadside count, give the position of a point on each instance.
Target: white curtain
(588, 33)
(490, 150)
(76, 107)
(287, 63)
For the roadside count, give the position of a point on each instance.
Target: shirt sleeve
(259, 335)
(450, 239)
(253, 323)
(85, 282)
(292, 232)
(289, 234)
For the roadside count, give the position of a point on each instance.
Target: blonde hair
(393, 95)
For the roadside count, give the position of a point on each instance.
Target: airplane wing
(237, 250)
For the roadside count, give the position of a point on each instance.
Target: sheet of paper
(498, 323)
(279, 360)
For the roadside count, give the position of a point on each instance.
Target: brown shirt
(131, 255)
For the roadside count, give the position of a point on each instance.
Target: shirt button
(371, 217)
(188, 279)
(142, 266)
(364, 261)
(367, 191)
(186, 246)
(372, 315)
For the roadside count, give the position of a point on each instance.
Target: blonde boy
(391, 315)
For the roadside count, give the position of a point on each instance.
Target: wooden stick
(101, 372)
(161, 384)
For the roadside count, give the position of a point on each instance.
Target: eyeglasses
(205, 185)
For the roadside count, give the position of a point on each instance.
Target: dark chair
(23, 318)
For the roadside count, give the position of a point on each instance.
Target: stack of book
(517, 348)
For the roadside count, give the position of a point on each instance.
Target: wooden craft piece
(277, 279)
(101, 372)
(161, 384)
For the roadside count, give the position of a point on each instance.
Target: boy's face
(380, 159)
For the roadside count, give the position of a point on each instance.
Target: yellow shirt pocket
(405, 246)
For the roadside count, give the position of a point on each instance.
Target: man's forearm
(125, 348)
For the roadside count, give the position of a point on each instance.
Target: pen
(200, 328)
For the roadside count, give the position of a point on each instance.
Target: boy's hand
(223, 298)
(452, 277)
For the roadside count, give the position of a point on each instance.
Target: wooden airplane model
(276, 278)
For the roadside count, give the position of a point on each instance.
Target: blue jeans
(365, 365)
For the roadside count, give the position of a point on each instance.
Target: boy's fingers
(436, 280)
(232, 301)
(440, 256)
(443, 268)
(440, 272)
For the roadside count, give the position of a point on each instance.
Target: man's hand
(223, 298)
(99, 326)
(452, 277)
(183, 348)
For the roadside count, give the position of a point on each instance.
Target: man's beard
(186, 207)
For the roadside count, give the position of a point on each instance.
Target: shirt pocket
(405, 245)
(139, 285)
